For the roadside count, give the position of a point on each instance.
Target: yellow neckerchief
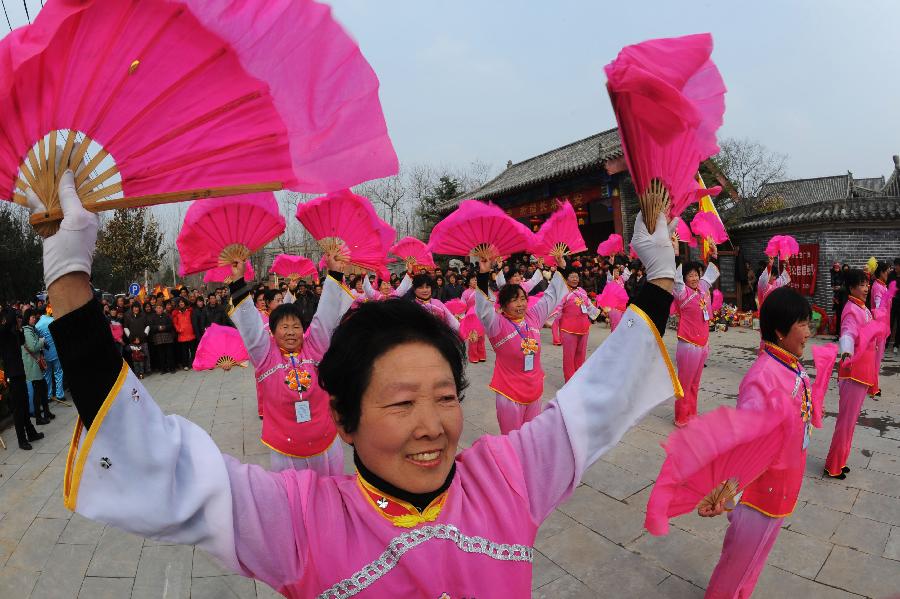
(396, 511)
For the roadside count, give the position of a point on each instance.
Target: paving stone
(17, 582)
(860, 573)
(163, 571)
(35, 546)
(632, 575)
(876, 482)
(81, 531)
(577, 550)
(106, 588)
(676, 588)
(799, 554)
(635, 460)
(862, 534)
(264, 591)
(873, 506)
(883, 462)
(204, 565)
(892, 549)
(680, 552)
(544, 570)
(223, 587)
(613, 519)
(117, 554)
(62, 577)
(616, 482)
(31, 469)
(830, 494)
(567, 587)
(556, 523)
(775, 583)
(814, 521)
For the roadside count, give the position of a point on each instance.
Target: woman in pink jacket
(575, 318)
(778, 385)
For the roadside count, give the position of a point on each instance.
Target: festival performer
(297, 424)
(515, 334)
(881, 300)
(619, 275)
(421, 295)
(385, 291)
(468, 294)
(857, 377)
(778, 385)
(396, 377)
(767, 284)
(693, 305)
(516, 278)
(576, 315)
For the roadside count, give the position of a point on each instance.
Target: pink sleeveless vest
(511, 347)
(692, 326)
(572, 319)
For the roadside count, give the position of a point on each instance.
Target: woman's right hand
(238, 268)
(484, 265)
(707, 511)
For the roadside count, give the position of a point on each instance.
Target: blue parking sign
(134, 289)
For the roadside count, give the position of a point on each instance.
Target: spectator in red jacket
(185, 337)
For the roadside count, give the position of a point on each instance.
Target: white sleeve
(785, 278)
(335, 301)
(486, 313)
(609, 277)
(552, 298)
(531, 283)
(450, 319)
(288, 298)
(127, 333)
(626, 274)
(679, 289)
(249, 323)
(501, 279)
(711, 274)
(404, 286)
(763, 281)
(367, 289)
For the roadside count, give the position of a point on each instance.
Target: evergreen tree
(432, 203)
(127, 245)
(21, 263)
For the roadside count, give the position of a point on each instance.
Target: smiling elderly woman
(418, 519)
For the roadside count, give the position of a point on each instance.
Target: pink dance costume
(308, 535)
(528, 285)
(766, 285)
(856, 379)
(577, 314)
(693, 307)
(615, 315)
(880, 301)
(297, 424)
(518, 379)
(373, 294)
(437, 309)
(778, 385)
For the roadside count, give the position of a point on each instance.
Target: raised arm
(371, 294)
(593, 410)
(535, 279)
(334, 303)
(484, 307)
(501, 279)
(552, 298)
(404, 286)
(680, 289)
(248, 321)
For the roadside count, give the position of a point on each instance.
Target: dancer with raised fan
(693, 305)
(575, 318)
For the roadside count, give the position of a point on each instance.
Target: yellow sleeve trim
(78, 456)
(342, 286)
(676, 384)
(764, 512)
(233, 308)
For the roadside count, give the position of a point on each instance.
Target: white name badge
(529, 362)
(806, 435)
(301, 411)
(705, 314)
(583, 309)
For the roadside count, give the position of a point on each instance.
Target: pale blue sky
(499, 80)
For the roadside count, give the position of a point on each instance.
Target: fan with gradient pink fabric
(413, 251)
(220, 347)
(669, 100)
(683, 233)
(471, 325)
(227, 230)
(481, 230)
(294, 267)
(824, 358)
(782, 246)
(456, 306)
(346, 224)
(613, 297)
(718, 453)
(708, 225)
(717, 300)
(613, 245)
(559, 235)
(222, 274)
(172, 101)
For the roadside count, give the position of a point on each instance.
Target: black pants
(41, 399)
(163, 357)
(18, 405)
(186, 353)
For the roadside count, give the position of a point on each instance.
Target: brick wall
(852, 245)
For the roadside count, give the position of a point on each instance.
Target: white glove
(655, 251)
(71, 249)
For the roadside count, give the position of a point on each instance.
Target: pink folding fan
(782, 246)
(220, 347)
(410, 249)
(669, 100)
(708, 225)
(559, 234)
(481, 230)
(345, 223)
(613, 297)
(824, 357)
(171, 101)
(683, 232)
(294, 267)
(456, 306)
(717, 300)
(222, 274)
(612, 246)
(226, 230)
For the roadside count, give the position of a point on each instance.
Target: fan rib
(98, 180)
(87, 170)
(105, 192)
(66, 155)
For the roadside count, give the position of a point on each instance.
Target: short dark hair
(854, 277)
(693, 265)
(284, 311)
(881, 268)
(371, 331)
(508, 293)
(782, 309)
(422, 279)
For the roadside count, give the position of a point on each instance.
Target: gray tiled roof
(588, 153)
(892, 187)
(845, 210)
(873, 184)
(801, 192)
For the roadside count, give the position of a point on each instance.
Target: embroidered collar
(783, 356)
(412, 509)
(857, 301)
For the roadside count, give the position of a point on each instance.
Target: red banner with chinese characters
(804, 268)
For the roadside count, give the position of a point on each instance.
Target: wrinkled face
(795, 340)
(423, 292)
(692, 279)
(260, 302)
(276, 301)
(289, 334)
(860, 291)
(385, 288)
(572, 279)
(410, 419)
(516, 307)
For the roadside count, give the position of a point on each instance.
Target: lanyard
(806, 403)
(296, 375)
(517, 328)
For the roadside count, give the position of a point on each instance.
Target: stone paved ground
(842, 541)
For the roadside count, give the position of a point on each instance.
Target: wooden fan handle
(160, 198)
